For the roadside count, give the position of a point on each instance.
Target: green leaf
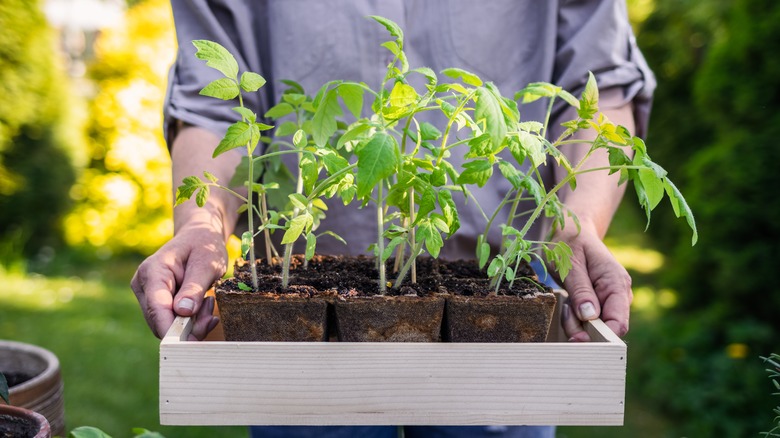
(569, 98)
(209, 176)
(298, 201)
(244, 287)
(353, 133)
(296, 227)
(438, 177)
(427, 203)
(653, 186)
(511, 174)
(531, 126)
(311, 245)
(246, 242)
(428, 233)
(402, 95)
(496, 265)
(299, 139)
(476, 172)
(483, 251)
(223, 88)
(391, 27)
(388, 251)
(465, 76)
(562, 255)
(537, 90)
(532, 148)
(87, 432)
(429, 131)
(216, 57)
(449, 211)
(681, 208)
(488, 108)
(377, 160)
(309, 171)
(324, 121)
(144, 433)
(246, 114)
(279, 110)
(428, 73)
(294, 86)
(202, 196)
(509, 274)
(286, 128)
(333, 162)
(188, 187)
(238, 134)
(251, 81)
(4, 389)
(589, 102)
(352, 95)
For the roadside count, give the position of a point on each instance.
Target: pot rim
(52, 363)
(43, 431)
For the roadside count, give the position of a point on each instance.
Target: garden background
(85, 194)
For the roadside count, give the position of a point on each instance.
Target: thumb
(197, 280)
(582, 296)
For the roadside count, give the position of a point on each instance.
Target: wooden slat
(242, 383)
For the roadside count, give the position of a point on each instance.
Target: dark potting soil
(16, 378)
(15, 427)
(358, 276)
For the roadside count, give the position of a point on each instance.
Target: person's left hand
(597, 284)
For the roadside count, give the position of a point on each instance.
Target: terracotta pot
(389, 318)
(22, 423)
(41, 389)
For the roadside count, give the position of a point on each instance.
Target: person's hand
(597, 284)
(173, 280)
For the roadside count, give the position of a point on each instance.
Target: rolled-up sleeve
(595, 35)
(230, 23)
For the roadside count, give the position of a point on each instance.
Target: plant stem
(250, 207)
(266, 233)
(409, 263)
(287, 260)
(380, 241)
(413, 255)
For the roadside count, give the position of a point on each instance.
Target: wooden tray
(283, 383)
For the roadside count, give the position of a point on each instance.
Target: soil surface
(16, 378)
(15, 427)
(359, 276)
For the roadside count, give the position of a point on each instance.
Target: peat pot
(34, 381)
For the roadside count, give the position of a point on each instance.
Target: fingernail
(587, 311)
(186, 304)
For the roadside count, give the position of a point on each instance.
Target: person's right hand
(172, 281)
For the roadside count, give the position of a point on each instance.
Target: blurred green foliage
(715, 127)
(35, 166)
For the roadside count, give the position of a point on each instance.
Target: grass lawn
(85, 312)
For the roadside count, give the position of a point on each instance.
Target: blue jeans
(409, 431)
(413, 431)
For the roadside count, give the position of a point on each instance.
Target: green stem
(380, 242)
(409, 263)
(457, 111)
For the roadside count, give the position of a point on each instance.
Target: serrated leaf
(251, 81)
(209, 176)
(427, 203)
(681, 208)
(537, 90)
(238, 134)
(246, 114)
(428, 73)
(531, 126)
(223, 88)
(465, 76)
(279, 110)
(324, 121)
(296, 227)
(589, 101)
(511, 174)
(429, 234)
(438, 177)
(216, 57)
(299, 139)
(353, 133)
(488, 108)
(202, 196)
(309, 172)
(476, 172)
(352, 96)
(377, 160)
(402, 95)
(449, 211)
(298, 201)
(311, 245)
(391, 27)
(532, 147)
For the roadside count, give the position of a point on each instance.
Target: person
(509, 42)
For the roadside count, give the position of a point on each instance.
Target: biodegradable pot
(35, 382)
(22, 423)
(383, 318)
(499, 318)
(267, 316)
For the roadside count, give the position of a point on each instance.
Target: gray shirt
(508, 42)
